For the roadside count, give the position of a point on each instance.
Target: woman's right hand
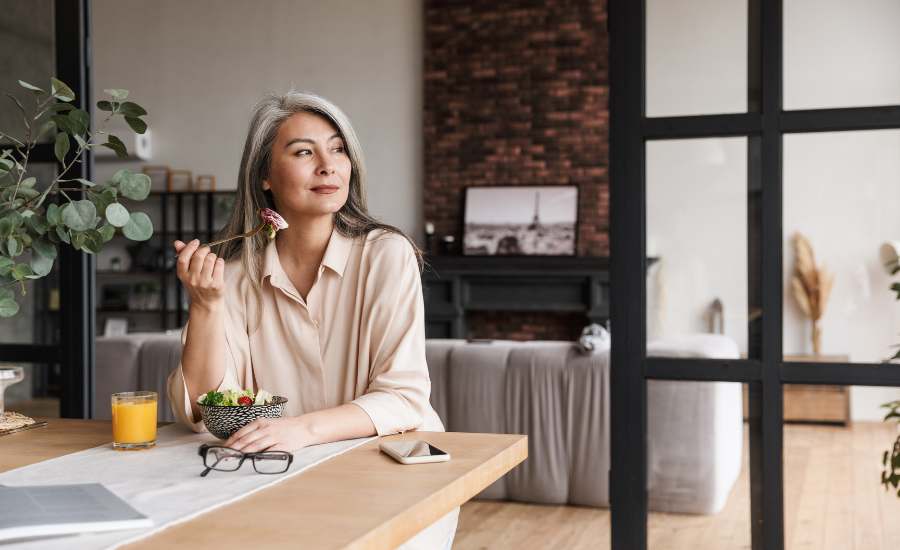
(201, 273)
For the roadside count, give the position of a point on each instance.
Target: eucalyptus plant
(890, 460)
(38, 217)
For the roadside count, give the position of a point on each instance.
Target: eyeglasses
(226, 459)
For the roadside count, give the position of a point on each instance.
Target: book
(48, 510)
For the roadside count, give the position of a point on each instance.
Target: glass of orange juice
(134, 419)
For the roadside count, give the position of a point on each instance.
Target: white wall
(199, 66)
(841, 190)
(694, 185)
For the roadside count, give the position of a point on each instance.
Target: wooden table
(359, 499)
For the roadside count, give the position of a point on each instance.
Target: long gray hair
(352, 220)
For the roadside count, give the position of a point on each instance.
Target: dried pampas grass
(811, 286)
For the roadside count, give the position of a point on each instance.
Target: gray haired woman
(329, 313)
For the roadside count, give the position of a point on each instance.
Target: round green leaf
(61, 107)
(101, 201)
(117, 215)
(135, 186)
(78, 239)
(31, 87)
(52, 214)
(79, 215)
(16, 218)
(8, 307)
(132, 109)
(106, 232)
(46, 129)
(93, 241)
(60, 91)
(36, 224)
(28, 193)
(21, 271)
(119, 176)
(6, 266)
(139, 227)
(41, 265)
(116, 145)
(117, 93)
(62, 234)
(61, 147)
(44, 248)
(63, 123)
(14, 246)
(138, 125)
(80, 120)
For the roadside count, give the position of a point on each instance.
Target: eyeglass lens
(223, 459)
(271, 463)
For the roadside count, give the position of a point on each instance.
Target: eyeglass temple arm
(208, 468)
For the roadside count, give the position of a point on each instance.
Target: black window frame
(77, 319)
(765, 371)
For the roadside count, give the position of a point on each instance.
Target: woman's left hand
(276, 434)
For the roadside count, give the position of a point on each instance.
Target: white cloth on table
(163, 483)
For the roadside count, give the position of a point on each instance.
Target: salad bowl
(224, 414)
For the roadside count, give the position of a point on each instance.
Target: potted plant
(37, 217)
(890, 459)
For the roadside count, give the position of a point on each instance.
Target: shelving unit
(181, 215)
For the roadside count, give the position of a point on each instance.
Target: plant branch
(9, 137)
(77, 157)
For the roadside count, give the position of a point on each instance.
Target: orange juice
(134, 420)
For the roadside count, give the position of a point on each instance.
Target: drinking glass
(134, 419)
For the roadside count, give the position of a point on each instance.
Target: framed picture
(204, 182)
(530, 220)
(159, 177)
(180, 180)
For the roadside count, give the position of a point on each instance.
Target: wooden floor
(833, 501)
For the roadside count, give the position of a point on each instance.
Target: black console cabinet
(455, 285)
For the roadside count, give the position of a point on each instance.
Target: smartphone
(414, 452)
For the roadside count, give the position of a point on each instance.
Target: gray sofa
(548, 390)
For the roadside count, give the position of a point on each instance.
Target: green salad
(234, 398)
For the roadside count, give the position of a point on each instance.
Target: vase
(816, 338)
(8, 377)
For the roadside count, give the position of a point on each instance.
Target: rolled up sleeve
(397, 397)
(237, 365)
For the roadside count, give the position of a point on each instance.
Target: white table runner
(163, 483)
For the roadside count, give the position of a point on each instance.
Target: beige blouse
(359, 337)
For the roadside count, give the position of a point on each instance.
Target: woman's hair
(352, 220)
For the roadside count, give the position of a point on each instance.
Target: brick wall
(516, 93)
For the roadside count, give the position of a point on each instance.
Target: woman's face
(310, 170)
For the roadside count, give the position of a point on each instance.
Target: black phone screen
(422, 448)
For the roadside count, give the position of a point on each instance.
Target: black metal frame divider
(75, 350)
(764, 371)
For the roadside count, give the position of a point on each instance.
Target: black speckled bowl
(222, 421)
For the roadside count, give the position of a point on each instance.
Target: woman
(329, 313)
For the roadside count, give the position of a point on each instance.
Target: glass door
(754, 172)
